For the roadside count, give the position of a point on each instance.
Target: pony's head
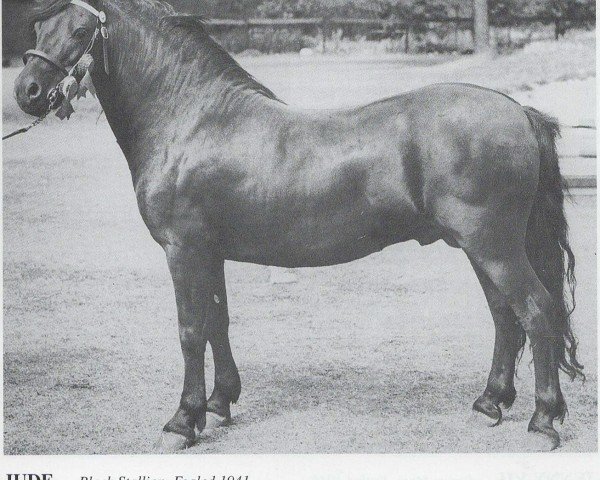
(64, 29)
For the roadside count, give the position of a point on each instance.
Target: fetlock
(227, 390)
(556, 408)
(219, 403)
(545, 414)
(507, 396)
(493, 396)
(228, 385)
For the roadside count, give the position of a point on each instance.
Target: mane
(190, 31)
(42, 10)
(151, 10)
(187, 32)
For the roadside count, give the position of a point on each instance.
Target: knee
(192, 339)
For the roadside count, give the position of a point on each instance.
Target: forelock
(44, 9)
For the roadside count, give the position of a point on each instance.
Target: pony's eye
(80, 33)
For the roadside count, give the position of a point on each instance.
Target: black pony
(224, 170)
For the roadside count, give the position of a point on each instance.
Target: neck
(158, 73)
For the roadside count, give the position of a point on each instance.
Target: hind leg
(510, 337)
(512, 274)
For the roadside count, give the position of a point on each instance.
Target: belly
(322, 197)
(301, 236)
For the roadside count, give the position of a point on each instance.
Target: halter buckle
(104, 32)
(102, 17)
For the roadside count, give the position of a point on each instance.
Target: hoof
(214, 420)
(170, 442)
(493, 413)
(544, 439)
(477, 420)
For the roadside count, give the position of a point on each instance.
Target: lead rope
(53, 99)
(54, 96)
(36, 122)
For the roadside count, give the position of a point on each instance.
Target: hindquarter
(479, 159)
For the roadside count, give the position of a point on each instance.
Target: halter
(100, 30)
(55, 95)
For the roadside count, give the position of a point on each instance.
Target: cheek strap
(100, 30)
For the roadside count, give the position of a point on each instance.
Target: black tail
(547, 246)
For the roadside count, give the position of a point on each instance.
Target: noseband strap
(48, 58)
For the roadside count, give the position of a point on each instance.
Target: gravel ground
(385, 354)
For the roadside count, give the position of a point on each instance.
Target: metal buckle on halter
(101, 16)
(89, 8)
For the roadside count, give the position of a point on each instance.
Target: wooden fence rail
(342, 21)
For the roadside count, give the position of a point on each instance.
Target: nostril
(33, 91)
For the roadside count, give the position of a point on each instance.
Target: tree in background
(578, 12)
(481, 26)
(316, 8)
(218, 8)
(566, 13)
(280, 8)
(500, 11)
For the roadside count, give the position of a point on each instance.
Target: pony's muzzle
(33, 91)
(32, 87)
